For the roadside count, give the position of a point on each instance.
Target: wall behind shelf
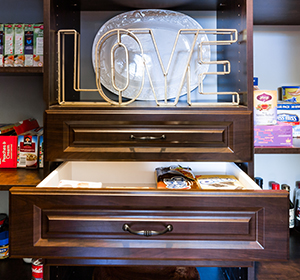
(276, 64)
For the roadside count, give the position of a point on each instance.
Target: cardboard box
(289, 113)
(19, 45)
(28, 149)
(8, 45)
(41, 152)
(8, 148)
(38, 45)
(9, 143)
(273, 136)
(1, 43)
(28, 44)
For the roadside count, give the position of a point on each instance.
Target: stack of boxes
(21, 45)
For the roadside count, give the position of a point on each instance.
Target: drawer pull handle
(147, 137)
(126, 227)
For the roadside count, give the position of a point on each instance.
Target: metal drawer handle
(126, 227)
(147, 137)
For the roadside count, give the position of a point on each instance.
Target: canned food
(37, 269)
(291, 93)
(4, 248)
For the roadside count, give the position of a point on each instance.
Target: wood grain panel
(119, 134)
(208, 226)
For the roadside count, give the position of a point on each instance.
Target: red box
(9, 143)
(8, 147)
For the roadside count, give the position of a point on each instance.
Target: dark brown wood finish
(19, 177)
(177, 135)
(229, 226)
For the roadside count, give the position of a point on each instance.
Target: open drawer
(182, 226)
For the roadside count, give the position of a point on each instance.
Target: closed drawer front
(144, 135)
(60, 223)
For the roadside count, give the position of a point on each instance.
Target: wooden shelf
(280, 150)
(19, 177)
(21, 70)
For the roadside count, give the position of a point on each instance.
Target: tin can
(37, 269)
(4, 248)
(291, 93)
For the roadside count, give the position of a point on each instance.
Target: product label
(27, 151)
(265, 107)
(4, 252)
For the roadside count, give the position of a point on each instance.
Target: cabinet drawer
(126, 221)
(148, 135)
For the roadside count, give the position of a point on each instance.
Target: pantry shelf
(21, 70)
(19, 177)
(280, 150)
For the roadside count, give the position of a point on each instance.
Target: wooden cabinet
(126, 220)
(209, 228)
(144, 131)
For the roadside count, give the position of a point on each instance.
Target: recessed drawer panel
(186, 225)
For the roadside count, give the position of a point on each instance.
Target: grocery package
(280, 135)
(19, 45)
(38, 44)
(291, 93)
(289, 113)
(9, 142)
(219, 182)
(41, 152)
(265, 107)
(28, 44)
(28, 148)
(175, 177)
(8, 45)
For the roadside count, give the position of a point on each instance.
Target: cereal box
(19, 45)
(28, 149)
(1, 44)
(8, 45)
(8, 151)
(28, 44)
(38, 45)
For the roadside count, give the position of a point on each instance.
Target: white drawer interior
(128, 174)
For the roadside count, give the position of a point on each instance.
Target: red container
(37, 270)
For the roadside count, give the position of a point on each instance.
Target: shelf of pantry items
(280, 150)
(21, 70)
(19, 177)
